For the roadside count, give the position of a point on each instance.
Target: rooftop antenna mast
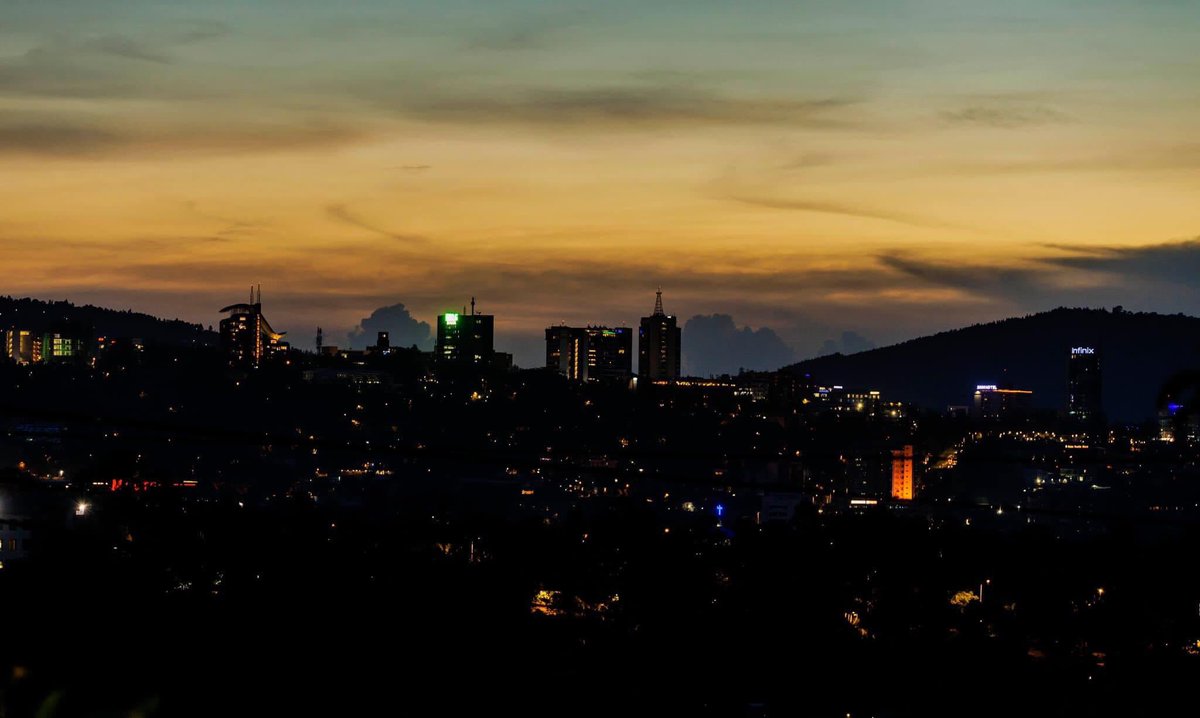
(320, 339)
(658, 307)
(259, 295)
(472, 306)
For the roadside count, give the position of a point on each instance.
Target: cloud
(198, 30)
(1084, 275)
(60, 140)
(1006, 117)
(977, 278)
(403, 329)
(1098, 272)
(528, 33)
(1176, 263)
(713, 344)
(642, 106)
(1135, 158)
(850, 343)
(85, 134)
(126, 47)
(341, 213)
(839, 208)
(232, 226)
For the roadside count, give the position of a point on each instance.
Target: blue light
(720, 510)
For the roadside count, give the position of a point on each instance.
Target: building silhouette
(590, 353)
(465, 340)
(658, 344)
(247, 337)
(383, 344)
(1083, 386)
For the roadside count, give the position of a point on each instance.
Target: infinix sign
(1083, 350)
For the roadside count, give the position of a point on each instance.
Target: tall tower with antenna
(246, 336)
(465, 339)
(658, 344)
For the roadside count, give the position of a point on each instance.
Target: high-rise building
(1083, 385)
(993, 402)
(902, 473)
(58, 347)
(23, 346)
(247, 337)
(383, 344)
(658, 344)
(590, 353)
(465, 340)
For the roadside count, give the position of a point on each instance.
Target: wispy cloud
(989, 279)
(1007, 117)
(199, 30)
(1146, 156)
(1176, 263)
(537, 32)
(126, 47)
(341, 213)
(838, 208)
(617, 106)
(88, 134)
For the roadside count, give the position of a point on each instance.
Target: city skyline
(669, 357)
(888, 171)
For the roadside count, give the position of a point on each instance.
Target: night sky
(840, 173)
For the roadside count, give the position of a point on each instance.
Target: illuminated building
(1177, 423)
(902, 473)
(67, 344)
(868, 403)
(247, 337)
(465, 339)
(658, 344)
(1083, 385)
(57, 347)
(590, 353)
(992, 402)
(23, 346)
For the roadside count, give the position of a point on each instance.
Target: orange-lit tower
(902, 473)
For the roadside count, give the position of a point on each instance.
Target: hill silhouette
(40, 315)
(1139, 352)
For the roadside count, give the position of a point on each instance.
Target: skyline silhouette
(810, 168)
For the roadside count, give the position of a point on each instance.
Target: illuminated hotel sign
(1083, 350)
(985, 387)
(451, 319)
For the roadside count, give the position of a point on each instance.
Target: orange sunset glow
(807, 167)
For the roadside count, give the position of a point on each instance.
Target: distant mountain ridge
(1139, 352)
(40, 315)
